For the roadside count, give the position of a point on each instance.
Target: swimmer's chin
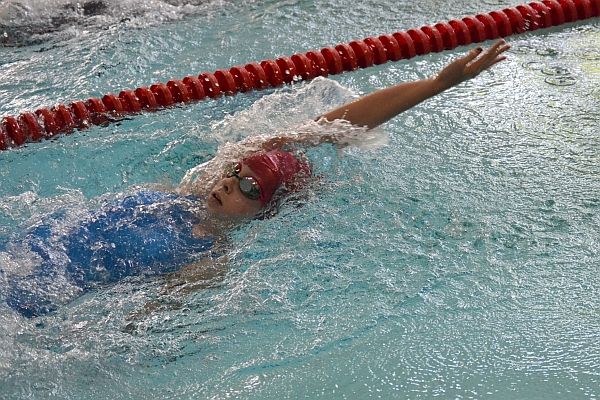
(216, 212)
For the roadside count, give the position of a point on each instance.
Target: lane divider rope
(46, 123)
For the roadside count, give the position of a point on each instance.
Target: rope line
(46, 123)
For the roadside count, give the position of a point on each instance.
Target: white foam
(28, 21)
(289, 112)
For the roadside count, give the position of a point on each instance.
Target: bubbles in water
(533, 65)
(522, 49)
(589, 54)
(565, 80)
(555, 70)
(558, 75)
(547, 52)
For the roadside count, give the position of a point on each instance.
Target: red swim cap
(276, 168)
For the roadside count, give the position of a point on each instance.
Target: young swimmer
(157, 233)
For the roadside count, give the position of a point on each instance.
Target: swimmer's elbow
(205, 273)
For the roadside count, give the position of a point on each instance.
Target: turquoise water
(459, 261)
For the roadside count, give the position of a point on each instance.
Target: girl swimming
(156, 233)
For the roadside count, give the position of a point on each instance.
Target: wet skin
(226, 201)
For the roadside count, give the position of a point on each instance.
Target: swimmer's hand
(205, 273)
(382, 105)
(471, 65)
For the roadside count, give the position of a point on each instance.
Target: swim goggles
(248, 185)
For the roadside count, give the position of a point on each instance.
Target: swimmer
(161, 233)
(235, 195)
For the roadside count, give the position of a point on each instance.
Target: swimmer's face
(226, 199)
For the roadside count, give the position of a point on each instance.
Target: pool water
(460, 260)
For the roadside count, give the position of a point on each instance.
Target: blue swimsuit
(147, 233)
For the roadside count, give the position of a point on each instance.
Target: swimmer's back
(148, 232)
(145, 233)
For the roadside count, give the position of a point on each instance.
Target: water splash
(25, 22)
(288, 113)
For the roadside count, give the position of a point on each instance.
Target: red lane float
(226, 82)
(161, 94)
(46, 123)
(461, 30)
(303, 66)
(448, 35)
(130, 102)
(274, 74)
(14, 131)
(31, 127)
(195, 88)
(349, 60)
(80, 112)
(49, 122)
(210, 84)
(319, 63)
(333, 59)
(146, 98)
(179, 91)
(5, 141)
(258, 75)
(378, 50)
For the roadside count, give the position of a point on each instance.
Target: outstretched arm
(382, 105)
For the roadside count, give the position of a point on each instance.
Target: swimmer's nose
(228, 185)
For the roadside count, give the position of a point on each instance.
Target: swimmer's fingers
(471, 65)
(488, 58)
(493, 55)
(498, 59)
(471, 55)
